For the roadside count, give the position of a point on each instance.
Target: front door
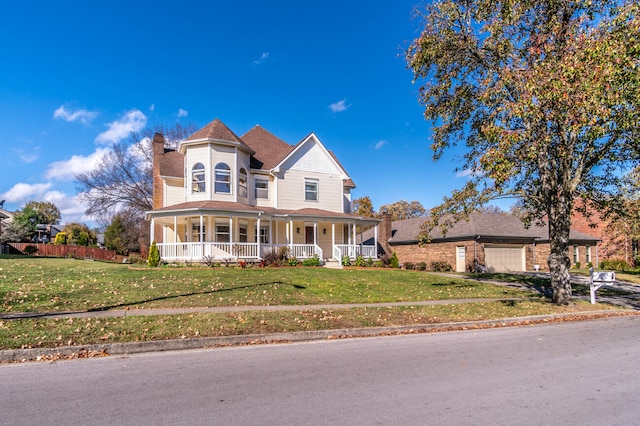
(308, 235)
(460, 259)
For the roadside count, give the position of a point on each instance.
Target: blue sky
(75, 77)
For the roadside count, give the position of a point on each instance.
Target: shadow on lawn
(25, 315)
(532, 283)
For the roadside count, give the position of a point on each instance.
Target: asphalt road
(578, 373)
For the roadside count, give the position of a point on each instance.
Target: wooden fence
(78, 252)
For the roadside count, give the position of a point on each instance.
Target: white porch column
(231, 230)
(333, 239)
(258, 236)
(287, 232)
(277, 230)
(375, 241)
(175, 229)
(354, 240)
(153, 231)
(292, 233)
(201, 235)
(315, 233)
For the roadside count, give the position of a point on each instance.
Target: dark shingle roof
(172, 164)
(502, 226)
(218, 131)
(269, 149)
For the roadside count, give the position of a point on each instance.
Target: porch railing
(353, 251)
(249, 251)
(223, 251)
(299, 251)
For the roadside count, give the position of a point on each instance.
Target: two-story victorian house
(237, 198)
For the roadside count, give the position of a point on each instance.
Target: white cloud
(152, 107)
(132, 121)
(262, 59)
(339, 106)
(380, 144)
(71, 209)
(27, 156)
(23, 192)
(82, 115)
(68, 169)
(182, 112)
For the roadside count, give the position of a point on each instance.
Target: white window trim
(216, 233)
(256, 189)
(198, 183)
(242, 187)
(317, 191)
(258, 233)
(228, 182)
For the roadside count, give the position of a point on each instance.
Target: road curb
(86, 351)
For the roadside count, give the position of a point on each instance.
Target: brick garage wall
(446, 252)
(437, 252)
(542, 252)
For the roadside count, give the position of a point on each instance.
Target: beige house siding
(311, 157)
(291, 191)
(262, 202)
(173, 191)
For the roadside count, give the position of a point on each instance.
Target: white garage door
(504, 258)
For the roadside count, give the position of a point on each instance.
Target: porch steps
(333, 264)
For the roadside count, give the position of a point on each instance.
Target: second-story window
(242, 183)
(222, 183)
(310, 190)
(197, 178)
(262, 188)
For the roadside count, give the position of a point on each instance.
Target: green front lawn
(30, 284)
(40, 284)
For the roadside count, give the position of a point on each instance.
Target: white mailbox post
(598, 279)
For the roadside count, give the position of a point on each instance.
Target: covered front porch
(198, 236)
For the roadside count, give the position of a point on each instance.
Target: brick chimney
(385, 233)
(158, 193)
(158, 152)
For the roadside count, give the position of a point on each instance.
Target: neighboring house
(614, 242)
(225, 197)
(47, 233)
(5, 218)
(491, 242)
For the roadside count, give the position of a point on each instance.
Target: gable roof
(500, 226)
(219, 132)
(269, 149)
(312, 137)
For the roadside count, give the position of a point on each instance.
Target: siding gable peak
(311, 155)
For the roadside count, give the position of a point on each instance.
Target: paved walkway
(170, 311)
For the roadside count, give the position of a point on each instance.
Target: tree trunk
(559, 261)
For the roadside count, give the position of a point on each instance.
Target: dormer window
(242, 183)
(222, 183)
(197, 178)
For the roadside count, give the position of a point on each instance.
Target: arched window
(222, 180)
(197, 178)
(242, 183)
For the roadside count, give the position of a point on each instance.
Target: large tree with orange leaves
(545, 98)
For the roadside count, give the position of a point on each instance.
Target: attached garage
(504, 257)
